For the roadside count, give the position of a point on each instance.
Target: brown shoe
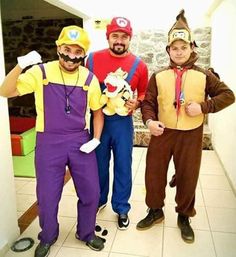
(154, 216)
(187, 233)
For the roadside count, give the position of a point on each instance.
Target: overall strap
(41, 66)
(89, 79)
(45, 81)
(133, 69)
(90, 62)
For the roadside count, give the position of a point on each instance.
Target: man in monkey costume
(175, 103)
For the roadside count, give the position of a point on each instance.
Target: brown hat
(180, 30)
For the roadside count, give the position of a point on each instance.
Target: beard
(118, 49)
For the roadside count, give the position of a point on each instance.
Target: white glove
(29, 59)
(90, 145)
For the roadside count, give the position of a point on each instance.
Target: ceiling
(150, 14)
(159, 13)
(38, 9)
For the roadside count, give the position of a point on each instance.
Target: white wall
(223, 124)
(9, 229)
(152, 14)
(145, 18)
(97, 36)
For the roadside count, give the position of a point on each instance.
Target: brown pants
(186, 149)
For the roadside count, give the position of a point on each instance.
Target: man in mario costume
(117, 135)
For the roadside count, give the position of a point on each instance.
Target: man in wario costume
(64, 92)
(173, 110)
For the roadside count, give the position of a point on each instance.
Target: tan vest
(193, 86)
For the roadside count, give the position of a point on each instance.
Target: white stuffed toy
(116, 93)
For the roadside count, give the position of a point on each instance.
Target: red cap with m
(119, 24)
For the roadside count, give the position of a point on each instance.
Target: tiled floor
(214, 224)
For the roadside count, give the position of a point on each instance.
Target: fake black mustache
(66, 58)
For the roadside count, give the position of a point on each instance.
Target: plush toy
(116, 93)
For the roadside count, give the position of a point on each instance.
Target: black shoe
(96, 244)
(43, 250)
(154, 216)
(123, 222)
(186, 231)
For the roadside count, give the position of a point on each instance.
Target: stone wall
(150, 45)
(23, 36)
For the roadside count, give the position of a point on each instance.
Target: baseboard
(4, 248)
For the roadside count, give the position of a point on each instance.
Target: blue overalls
(117, 136)
(58, 147)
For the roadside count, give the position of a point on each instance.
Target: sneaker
(187, 233)
(43, 250)
(123, 221)
(154, 216)
(101, 207)
(96, 244)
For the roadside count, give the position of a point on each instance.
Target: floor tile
(125, 255)
(138, 193)
(107, 213)
(75, 252)
(24, 201)
(210, 164)
(214, 182)
(72, 242)
(225, 244)
(111, 228)
(199, 221)
(20, 183)
(29, 188)
(219, 198)
(138, 211)
(136, 242)
(175, 246)
(69, 189)
(170, 197)
(222, 219)
(139, 178)
(68, 206)
(19, 213)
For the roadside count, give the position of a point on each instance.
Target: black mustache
(66, 58)
(119, 45)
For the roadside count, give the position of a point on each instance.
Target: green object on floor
(28, 141)
(23, 166)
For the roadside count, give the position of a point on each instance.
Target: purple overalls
(58, 147)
